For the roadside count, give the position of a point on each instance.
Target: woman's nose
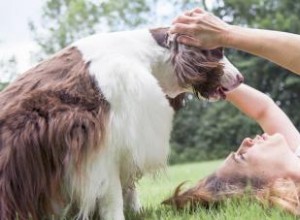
(247, 143)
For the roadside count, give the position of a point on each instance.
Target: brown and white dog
(78, 129)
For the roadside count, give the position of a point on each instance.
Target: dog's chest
(140, 120)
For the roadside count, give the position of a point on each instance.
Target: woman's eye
(242, 157)
(238, 157)
(235, 156)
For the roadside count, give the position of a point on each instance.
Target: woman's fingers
(181, 28)
(198, 10)
(189, 16)
(186, 19)
(194, 11)
(184, 39)
(203, 28)
(188, 13)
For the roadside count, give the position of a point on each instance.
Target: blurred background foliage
(202, 130)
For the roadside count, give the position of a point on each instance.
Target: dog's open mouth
(217, 94)
(222, 93)
(214, 95)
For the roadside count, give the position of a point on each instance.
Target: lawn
(154, 190)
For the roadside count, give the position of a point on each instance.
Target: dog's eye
(218, 53)
(167, 40)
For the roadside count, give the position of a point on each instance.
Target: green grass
(154, 190)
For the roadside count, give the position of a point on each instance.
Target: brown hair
(284, 193)
(51, 118)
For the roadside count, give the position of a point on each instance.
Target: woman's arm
(279, 47)
(203, 29)
(265, 112)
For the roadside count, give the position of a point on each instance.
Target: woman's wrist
(228, 35)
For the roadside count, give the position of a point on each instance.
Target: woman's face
(263, 156)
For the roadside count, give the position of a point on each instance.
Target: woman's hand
(200, 28)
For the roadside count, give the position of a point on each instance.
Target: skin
(270, 155)
(203, 29)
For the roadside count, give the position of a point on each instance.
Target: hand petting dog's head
(207, 73)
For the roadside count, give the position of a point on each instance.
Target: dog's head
(207, 73)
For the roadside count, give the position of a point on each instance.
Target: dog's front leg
(111, 205)
(131, 199)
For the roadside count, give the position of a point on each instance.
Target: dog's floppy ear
(160, 35)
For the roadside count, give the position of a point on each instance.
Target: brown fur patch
(50, 119)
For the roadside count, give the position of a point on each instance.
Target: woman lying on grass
(266, 166)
